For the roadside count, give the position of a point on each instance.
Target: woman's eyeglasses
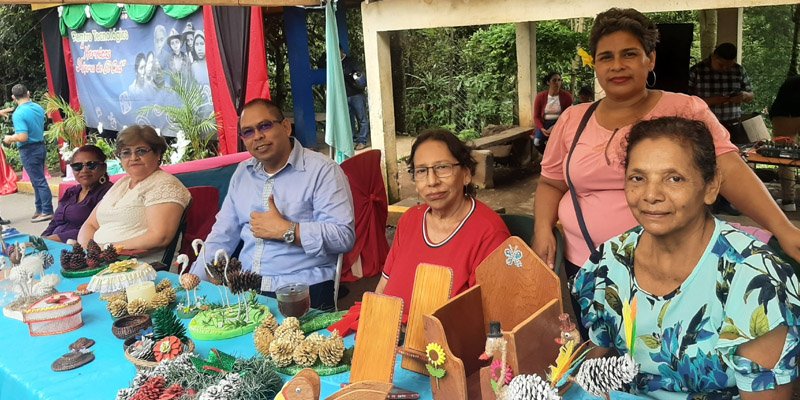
(91, 165)
(263, 127)
(440, 170)
(128, 153)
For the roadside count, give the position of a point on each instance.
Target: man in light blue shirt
(291, 207)
(28, 134)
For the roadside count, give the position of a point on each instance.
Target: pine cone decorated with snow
(530, 387)
(305, 354)
(331, 350)
(226, 389)
(163, 285)
(282, 352)
(143, 349)
(263, 337)
(118, 308)
(173, 392)
(125, 394)
(159, 300)
(151, 390)
(269, 322)
(242, 281)
(138, 307)
(600, 376)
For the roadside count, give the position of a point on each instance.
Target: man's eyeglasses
(263, 127)
(91, 165)
(128, 153)
(440, 170)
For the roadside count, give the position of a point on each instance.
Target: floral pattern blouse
(686, 341)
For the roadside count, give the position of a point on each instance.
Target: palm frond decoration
(72, 126)
(198, 129)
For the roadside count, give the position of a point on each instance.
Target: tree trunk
(708, 32)
(396, 49)
(793, 70)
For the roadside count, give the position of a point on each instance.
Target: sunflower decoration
(436, 359)
(168, 348)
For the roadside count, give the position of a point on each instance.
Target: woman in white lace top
(142, 211)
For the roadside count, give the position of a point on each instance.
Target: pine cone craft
(159, 300)
(151, 390)
(530, 387)
(163, 285)
(108, 255)
(143, 349)
(189, 281)
(332, 350)
(263, 337)
(243, 281)
(172, 393)
(295, 336)
(270, 322)
(600, 376)
(316, 339)
(117, 308)
(218, 270)
(290, 323)
(93, 249)
(114, 297)
(170, 294)
(282, 352)
(138, 307)
(305, 354)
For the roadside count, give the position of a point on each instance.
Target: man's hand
(6, 112)
(269, 225)
(8, 139)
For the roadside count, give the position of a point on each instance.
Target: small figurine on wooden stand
(495, 343)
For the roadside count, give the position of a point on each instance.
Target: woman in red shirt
(547, 107)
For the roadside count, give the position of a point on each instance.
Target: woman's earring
(650, 85)
(102, 180)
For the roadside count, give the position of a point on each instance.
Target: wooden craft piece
(515, 288)
(364, 390)
(304, 386)
(432, 287)
(376, 341)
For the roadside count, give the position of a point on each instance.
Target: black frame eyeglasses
(443, 170)
(263, 127)
(139, 152)
(91, 165)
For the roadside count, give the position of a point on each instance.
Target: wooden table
(751, 157)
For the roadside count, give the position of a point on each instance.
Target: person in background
(785, 116)
(585, 95)
(29, 120)
(5, 113)
(718, 312)
(290, 207)
(724, 86)
(141, 212)
(547, 107)
(354, 84)
(623, 43)
(89, 165)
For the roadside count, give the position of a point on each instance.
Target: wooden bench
(511, 146)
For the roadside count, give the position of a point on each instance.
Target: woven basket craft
(144, 365)
(55, 314)
(129, 326)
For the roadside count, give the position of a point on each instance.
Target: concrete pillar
(526, 71)
(729, 28)
(378, 65)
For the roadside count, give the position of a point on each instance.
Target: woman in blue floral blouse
(717, 312)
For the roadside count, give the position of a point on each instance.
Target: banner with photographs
(120, 70)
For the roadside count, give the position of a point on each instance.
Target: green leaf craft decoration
(218, 363)
(319, 320)
(322, 370)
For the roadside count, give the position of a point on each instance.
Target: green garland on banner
(106, 15)
(140, 13)
(179, 12)
(74, 16)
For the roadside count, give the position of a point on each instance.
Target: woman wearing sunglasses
(141, 212)
(89, 165)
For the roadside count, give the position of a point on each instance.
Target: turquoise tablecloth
(25, 361)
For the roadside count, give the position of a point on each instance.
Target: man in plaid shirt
(723, 84)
